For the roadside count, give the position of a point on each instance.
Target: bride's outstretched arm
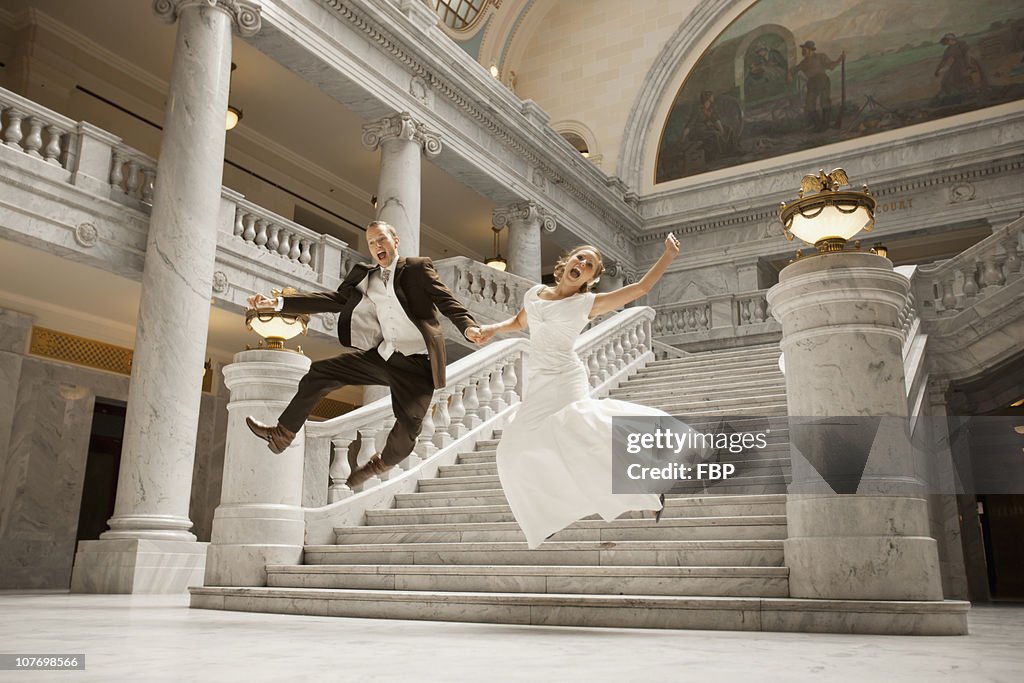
(610, 301)
(511, 325)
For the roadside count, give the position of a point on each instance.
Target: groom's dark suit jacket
(419, 290)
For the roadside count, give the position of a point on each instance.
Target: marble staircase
(451, 550)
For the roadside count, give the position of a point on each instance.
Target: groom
(388, 313)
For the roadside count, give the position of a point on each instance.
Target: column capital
(245, 15)
(528, 211)
(401, 126)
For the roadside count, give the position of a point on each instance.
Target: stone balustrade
(479, 387)
(492, 294)
(38, 132)
(949, 287)
(708, 323)
(132, 173)
(616, 347)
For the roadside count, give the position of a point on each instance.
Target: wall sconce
(494, 70)
(828, 217)
(234, 114)
(496, 261)
(276, 327)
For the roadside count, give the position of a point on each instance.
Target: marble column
(402, 141)
(259, 520)
(842, 341)
(155, 479)
(524, 220)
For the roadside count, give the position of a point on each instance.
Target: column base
(246, 564)
(138, 566)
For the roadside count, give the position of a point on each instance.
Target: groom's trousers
(410, 380)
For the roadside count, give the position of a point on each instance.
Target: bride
(555, 458)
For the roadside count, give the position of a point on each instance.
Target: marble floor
(158, 638)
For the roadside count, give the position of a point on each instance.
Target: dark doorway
(1002, 523)
(100, 487)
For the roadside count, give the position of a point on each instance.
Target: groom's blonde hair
(564, 261)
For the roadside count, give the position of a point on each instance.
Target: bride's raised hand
(672, 245)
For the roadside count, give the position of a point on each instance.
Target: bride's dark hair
(564, 261)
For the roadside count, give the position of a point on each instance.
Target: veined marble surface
(158, 638)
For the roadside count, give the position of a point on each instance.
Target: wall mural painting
(789, 75)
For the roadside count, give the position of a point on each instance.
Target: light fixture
(828, 217)
(881, 250)
(496, 261)
(206, 366)
(234, 114)
(494, 70)
(274, 326)
(373, 201)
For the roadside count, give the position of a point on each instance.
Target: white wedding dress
(555, 458)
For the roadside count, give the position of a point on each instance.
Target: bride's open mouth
(575, 273)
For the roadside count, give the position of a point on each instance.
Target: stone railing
(727, 319)
(949, 287)
(663, 351)
(264, 230)
(490, 294)
(482, 390)
(132, 175)
(37, 131)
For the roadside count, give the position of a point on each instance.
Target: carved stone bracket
(245, 15)
(86, 235)
(527, 211)
(404, 127)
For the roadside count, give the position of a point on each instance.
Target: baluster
(485, 396)
(53, 140)
(305, 252)
(34, 139)
(501, 294)
(148, 184)
(367, 449)
(511, 382)
(594, 370)
(261, 232)
(380, 441)
(340, 469)
(117, 171)
(619, 360)
(634, 343)
(744, 312)
(477, 288)
(627, 347)
(497, 389)
(603, 361)
(295, 251)
(249, 233)
(425, 441)
(970, 284)
(285, 245)
(239, 227)
(690, 320)
(677, 321)
(471, 402)
(461, 281)
(273, 237)
(1012, 255)
(948, 299)
(12, 133)
(457, 412)
(761, 304)
(992, 274)
(131, 179)
(442, 420)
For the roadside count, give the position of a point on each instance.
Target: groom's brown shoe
(277, 437)
(374, 467)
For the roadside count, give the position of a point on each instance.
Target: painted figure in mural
(815, 68)
(766, 65)
(706, 128)
(961, 69)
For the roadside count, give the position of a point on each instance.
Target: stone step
(748, 553)
(762, 410)
(777, 441)
(716, 359)
(724, 354)
(687, 369)
(468, 469)
(683, 386)
(722, 405)
(754, 484)
(676, 506)
(707, 380)
(487, 444)
(560, 609)
(464, 483)
(695, 581)
(766, 527)
(450, 498)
